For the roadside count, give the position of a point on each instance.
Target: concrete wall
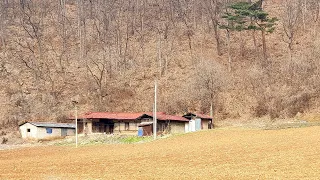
(33, 131)
(120, 128)
(186, 127)
(204, 124)
(89, 127)
(41, 132)
(177, 127)
(71, 132)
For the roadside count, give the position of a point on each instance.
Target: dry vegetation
(106, 55)
(219, 154)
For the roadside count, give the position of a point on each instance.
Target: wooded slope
(107, 54)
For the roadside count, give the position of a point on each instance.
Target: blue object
(140, 131)
(49, 130)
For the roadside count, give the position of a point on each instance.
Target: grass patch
(103, 139)
(135, 139)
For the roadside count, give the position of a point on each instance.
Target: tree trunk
(214, 6)
(242, 44)
(229, 49)
(254, 40)
(264, 46)
(217, 37)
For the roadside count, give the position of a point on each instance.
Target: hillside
(216, 154)
(107, 54)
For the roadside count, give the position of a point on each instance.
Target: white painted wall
(41, 132)
(192, 125)
(186, 127)
(33, 131)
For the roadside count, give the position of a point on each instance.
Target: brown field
(216, 154)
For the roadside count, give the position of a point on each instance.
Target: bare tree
(290, 22)
(213, 12)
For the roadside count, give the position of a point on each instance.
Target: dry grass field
(216, 154)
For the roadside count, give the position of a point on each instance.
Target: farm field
(216, 154)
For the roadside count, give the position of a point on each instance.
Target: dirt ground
(216, 154)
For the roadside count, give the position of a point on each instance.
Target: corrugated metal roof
(202, 116)
(145, 124)
(52, 125)
(166, 117)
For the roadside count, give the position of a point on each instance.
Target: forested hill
(107, 54)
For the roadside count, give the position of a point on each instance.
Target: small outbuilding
(199, 121)
(46, 130)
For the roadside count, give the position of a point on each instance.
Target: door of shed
(198, 124)
(64, 132)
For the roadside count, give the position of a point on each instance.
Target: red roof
(112, 115)
(129, 116)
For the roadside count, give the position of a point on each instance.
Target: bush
(4, 140)
(3, 133)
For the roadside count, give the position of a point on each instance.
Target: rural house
(110, 122)
(45, 130)
(128, 123)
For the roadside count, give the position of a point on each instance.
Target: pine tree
(250, 16)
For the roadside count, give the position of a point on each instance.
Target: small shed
(147, 128)
(46, 130)
(202, 121)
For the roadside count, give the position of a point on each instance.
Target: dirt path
(221, 154)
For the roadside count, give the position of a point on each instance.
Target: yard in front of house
(220, 153)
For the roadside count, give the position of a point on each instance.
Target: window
(126, 126)
(28, 130)
(49, 130)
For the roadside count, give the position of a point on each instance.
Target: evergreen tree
(249, 16)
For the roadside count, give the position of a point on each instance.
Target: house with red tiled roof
(129, 123)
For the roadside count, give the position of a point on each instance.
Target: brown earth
(216, 154)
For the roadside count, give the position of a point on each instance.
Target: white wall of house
(186, 127)
(192, 126)
(28, 130)
(41, 132)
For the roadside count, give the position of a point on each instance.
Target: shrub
(4, 140)
(3, 133)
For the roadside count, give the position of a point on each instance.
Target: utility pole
(76, 118)
(155, 111)
(76, 111)
(211, 115)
